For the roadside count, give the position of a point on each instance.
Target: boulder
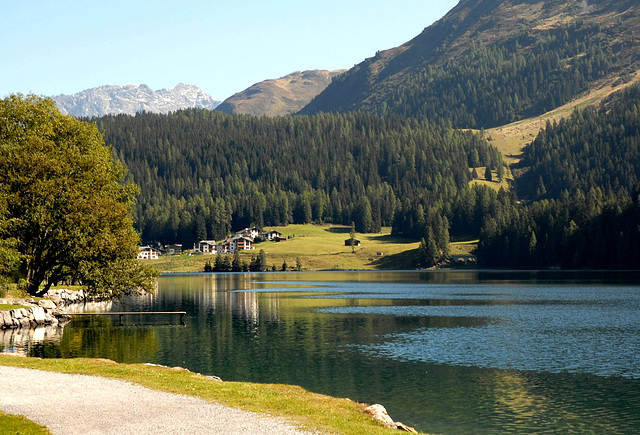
(378, 412)
(404, 427)
(47, 304)
(50, 320)
(24, 322)
(38, 315)
(17, 313)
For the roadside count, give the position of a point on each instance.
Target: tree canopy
(204, 173)
(583, 175)
(67, 215)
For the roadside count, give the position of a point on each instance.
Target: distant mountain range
(276, 97)
(281, 96)
(132, 98)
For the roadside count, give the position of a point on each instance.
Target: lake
(445, 351)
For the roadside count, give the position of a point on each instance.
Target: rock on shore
(379, 413)
(33, 316)
(43, 312)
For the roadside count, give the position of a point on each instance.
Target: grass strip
(312, 411)
(7, 307)
(19, 425)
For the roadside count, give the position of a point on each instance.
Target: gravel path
(79, 404)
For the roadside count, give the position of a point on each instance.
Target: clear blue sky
(51, 47)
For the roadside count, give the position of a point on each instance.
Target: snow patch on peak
(132, 98)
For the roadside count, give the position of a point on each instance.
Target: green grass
(19, 425)
(511, 138)
(463, 247)
(297, 405)
(321, 247)
(6, 307)
(318, 247)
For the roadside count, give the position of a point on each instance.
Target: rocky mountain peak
(132, 98)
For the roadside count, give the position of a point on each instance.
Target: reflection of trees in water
(102, 337)
(213, 293)
(90, 337)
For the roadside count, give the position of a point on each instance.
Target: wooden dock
(121, 314)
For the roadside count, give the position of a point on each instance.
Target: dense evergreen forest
(528, 74)
(497, 84)
(595, 147)
(203, 173)
(584, 172)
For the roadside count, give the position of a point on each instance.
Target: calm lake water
(445, 352)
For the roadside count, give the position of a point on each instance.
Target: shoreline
(308, 411)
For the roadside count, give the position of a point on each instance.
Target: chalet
(356, 242)
(205, 247)
(272, 235)
(230, 246)
(175, 249)
(147, 253)
(251, 233)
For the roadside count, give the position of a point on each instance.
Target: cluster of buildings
(153, 251)
(243, 240)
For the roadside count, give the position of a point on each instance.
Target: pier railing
(121, 314)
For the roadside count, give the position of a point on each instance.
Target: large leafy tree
(67, 211)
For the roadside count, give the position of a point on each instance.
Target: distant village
(243, 240)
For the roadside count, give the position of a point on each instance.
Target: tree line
(203, 174)
(595, 147)
(477, 85)
(582, 184)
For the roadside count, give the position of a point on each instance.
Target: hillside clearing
(511, 138)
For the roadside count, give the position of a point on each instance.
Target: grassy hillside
(511, 138)
(281, 96)
(321, 247)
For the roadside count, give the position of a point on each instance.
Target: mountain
(281, 96)
(131, 98)
(492, 62)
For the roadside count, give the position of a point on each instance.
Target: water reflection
(452, 352)
(21, 341)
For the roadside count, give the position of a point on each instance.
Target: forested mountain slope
(595, 147)
(203, 173)
(490, 62)
(584, 173)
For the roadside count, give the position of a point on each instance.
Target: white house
(230, 246)
(251, 233)
(205, 246)
(272, 235)
(147, 253)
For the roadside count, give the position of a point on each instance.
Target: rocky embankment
(44, 312)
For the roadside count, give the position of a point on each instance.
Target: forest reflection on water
(446, 352)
